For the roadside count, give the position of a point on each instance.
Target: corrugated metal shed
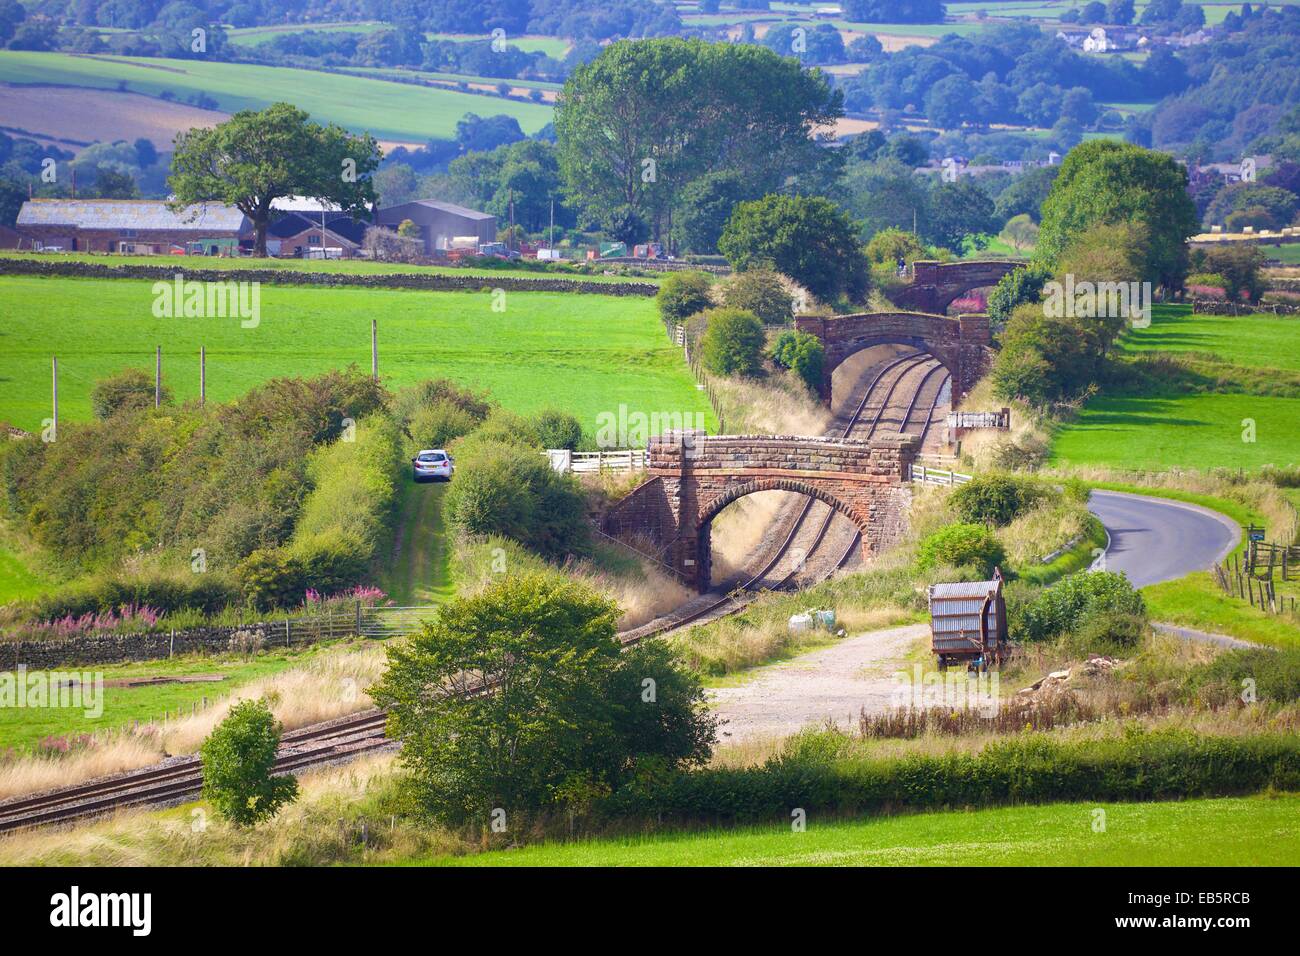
(119, 214)
(955, 616)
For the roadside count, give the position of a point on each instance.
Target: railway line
(344, 738)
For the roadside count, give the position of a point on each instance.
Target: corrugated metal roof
(131, 214)
(963, 589)
(451, 207)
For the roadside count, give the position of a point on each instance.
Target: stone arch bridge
(935, 285)
(961, 344)
(691, 478)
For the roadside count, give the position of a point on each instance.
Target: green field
(391, 111)
(1202, 430)
(24, 727)
(252, 36)
(585, 354)
(344, 266)
(1289, 253)
(1250, 831)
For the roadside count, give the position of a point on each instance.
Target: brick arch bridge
(935, 285)
(692, 478)
(961, 344)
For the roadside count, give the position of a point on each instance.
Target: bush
(1069, 603)
(1013, 289)
(512, 491)
(330, 561)
(1108, 632)
(803, 354)
(128, 390)
(270, 578)
(995, 500)
(437, 426)
(556, 429)
(237, 762)
(732, 343)
(681, 295)
(960, 546)
(761, 292)
(1034, 769)
(1275, 674)
(570, 720)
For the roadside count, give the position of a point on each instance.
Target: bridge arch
(690, 479)
(962, 345)
(936, 285)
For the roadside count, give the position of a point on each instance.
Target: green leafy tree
(960, 546)
(1106, 182)
(802, 354)
(683, 294)
(646, 118)
(238, 760)
(1016, 288)
(557, 429)
(254, 158)
(733, 342)
(807, 238)
(960, 213)
(760, 291)
(568, 716)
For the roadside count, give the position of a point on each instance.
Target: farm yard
(543, 350)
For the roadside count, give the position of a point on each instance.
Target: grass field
(584, 354)
(391, 111)
(22, 728)
(1203, 430)
(1251, 831)
(343, 266)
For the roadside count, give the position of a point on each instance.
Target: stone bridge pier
(691, 478)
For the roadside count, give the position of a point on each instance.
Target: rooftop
(130, 214)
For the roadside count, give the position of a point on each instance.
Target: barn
(440, 222)
(131, 226)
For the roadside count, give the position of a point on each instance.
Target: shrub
(761, 292)
(1013, 289)
(1070, 602)
(681, 295)
(270, 578)
(1108, 632)
(439, 391)
(329, 561)
(437, 426)
(733, 342)
(1274, 673)
(512, 491)
(237, 762)
(961, 545)
(803, 354)
(570, 720)
(127, 390)
(556, 429)
(995, 500)
(169, 592)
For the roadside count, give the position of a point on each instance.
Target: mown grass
(1247, 831)
(581, 354)
(418, 570)
(1196, 601)
(22, 728)
(1229, 422)
(391, 111)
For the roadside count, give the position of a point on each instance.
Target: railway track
(344, 738)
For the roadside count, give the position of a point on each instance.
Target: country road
(1157, 539)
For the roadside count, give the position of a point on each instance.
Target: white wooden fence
(594, 462)
(1000, 419)
(937, 476)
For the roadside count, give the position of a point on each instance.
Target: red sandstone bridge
(936, 285)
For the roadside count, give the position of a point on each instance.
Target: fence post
(358, 617)
(287, 639)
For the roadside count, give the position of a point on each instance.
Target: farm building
(440, 222)
(300, 234)
(139, 226)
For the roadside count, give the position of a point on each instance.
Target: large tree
(255, 158)
(807, 238)
(644, 119)
(1105, 182)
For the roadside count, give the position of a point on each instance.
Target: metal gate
(381, 622)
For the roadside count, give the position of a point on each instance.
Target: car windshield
(433, 456)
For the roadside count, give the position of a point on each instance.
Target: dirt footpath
(830, 684)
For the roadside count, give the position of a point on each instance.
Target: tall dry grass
(331, 685)
(775, 405)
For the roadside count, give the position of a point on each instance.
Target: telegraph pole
(203, 376)
(374, 349)
(54, 434)
(157, 377)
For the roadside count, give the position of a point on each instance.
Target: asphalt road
(1156, 539)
